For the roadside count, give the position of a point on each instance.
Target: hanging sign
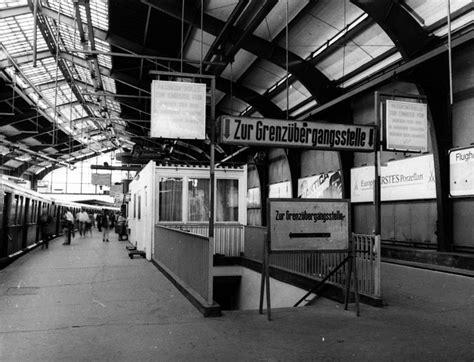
(406, 126)
(308, 224)
(103, 179)
(461, 172)
(178, 110)
(246, 131)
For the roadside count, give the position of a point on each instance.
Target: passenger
(99, 221)
(83, 218)
(88, 227)
(122, 226)
(105, 227)
(46, 228)
(68, 227)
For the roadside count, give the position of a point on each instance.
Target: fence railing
(228, 238)
(186, 255)
(319, 264)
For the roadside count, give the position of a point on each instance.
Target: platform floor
(89, 301)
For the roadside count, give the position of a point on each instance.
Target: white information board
(103, 179)
(461, 172)
(406, 126)
(308, 224)
(178, 110)
(407, 179)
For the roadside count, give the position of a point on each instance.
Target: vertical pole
(212, 201)
(377, 155)
(267, 278)
(450, 58)
(264, 269)
(356, 279)
(35, 21)
(377, 291)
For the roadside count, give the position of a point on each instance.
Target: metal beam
(315, 81)
(14, 11)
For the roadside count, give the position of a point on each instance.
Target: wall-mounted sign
(279, 190)
(284, 133)
(308, 224)
(326, 185)
(178, 110)
(407, 179)
(406, 126)
(461, 172)
(103, 179)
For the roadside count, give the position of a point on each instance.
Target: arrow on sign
(226, 128)
(309, 235)
(371, 137)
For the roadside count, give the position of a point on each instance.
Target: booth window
(198, 199)
(227, 200)
(171, 195)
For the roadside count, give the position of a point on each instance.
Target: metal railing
(319, 264)
(228, 238)
(186, 255)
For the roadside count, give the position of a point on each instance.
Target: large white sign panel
(103, 179)
(284, 133)
(406, 126)
(461, 172)
(178, 110)
(296, 224)
(407, 179)
(279, 190)
(323, 186)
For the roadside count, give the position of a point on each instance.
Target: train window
(171, 196)
(139, 207)
(227, 200)
(21, 207)
(14, 210)
(198, 199)
(134, 206)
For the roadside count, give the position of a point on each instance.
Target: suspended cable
(182, 34)
(202, 36)
(450, 65)
(55, 118)
(287, 73)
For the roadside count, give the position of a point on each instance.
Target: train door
(5, 232)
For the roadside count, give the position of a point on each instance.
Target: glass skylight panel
(65, 7)
(44, 72)
(301, 110)
(294, 97)
(242, 60)
(109, 84)
(379, 66)
(69, 36)
(112, 105)
(276, 20)
(100, 14)
(220, 9)
(263, 75)
(84, 74)
(193, 49)
(456, 24)
(432, 11)
(16, 34)
(12, 3)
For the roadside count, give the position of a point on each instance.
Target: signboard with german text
(309, 224)
(406, 179)
(103, 179)
(406, 126)
(461, 172)
(178, 110)
(285, 133)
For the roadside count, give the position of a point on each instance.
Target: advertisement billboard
(406, 179)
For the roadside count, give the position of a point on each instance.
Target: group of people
(85, 222)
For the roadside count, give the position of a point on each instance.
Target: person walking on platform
(105, 227)
(46, 228)
(67, 225)
(83, 219)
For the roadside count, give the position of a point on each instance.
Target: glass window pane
(171, 195)
(227, 200)
(198, 199)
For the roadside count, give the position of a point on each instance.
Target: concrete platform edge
(205, 308)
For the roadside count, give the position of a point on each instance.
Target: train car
(20, 209)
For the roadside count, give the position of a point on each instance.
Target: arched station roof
(80, 84)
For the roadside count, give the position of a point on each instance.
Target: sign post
(298, 225)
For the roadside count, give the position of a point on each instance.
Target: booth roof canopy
(75, 75)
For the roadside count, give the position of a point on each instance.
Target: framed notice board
(308, 224)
